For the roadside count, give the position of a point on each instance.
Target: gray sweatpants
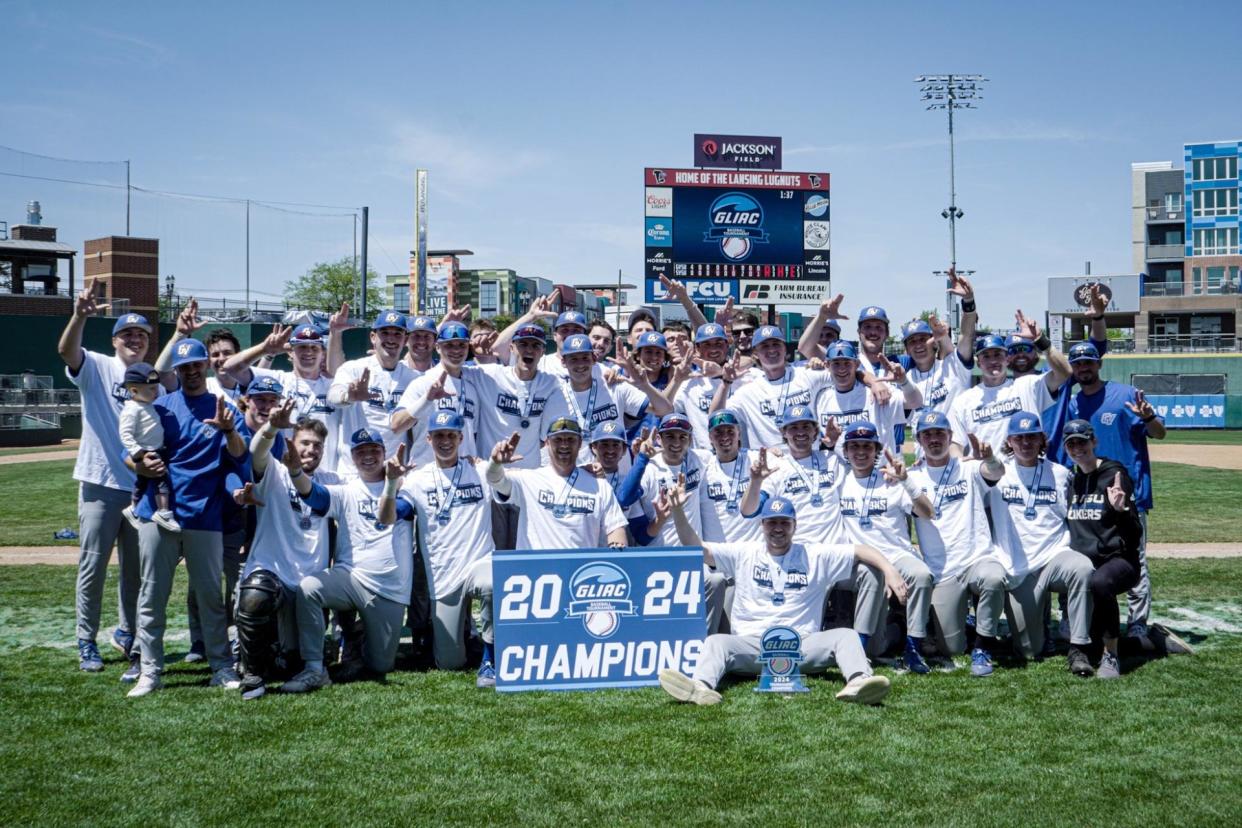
(100, 526)
(871, 606)
(450, 620)
(159, 552)
(985, 579)
(232, 568)
(1139, 598)
(1070, 573)
(338, 589)
(723, 654)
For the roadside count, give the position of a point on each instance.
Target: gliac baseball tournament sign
(584, 619)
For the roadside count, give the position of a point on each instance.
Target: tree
(326, 285)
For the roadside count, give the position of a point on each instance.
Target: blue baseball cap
(453, 331)
(187, 351)
(1084, 352)
(873, 312)
(1015, 343)
(862, 430)
(365, 437)
(990, 342)
(652, 339)
(841, 350)
(530, 332)
(420, 323)
(576, 344)
(708, 332)
(564, 425)
(446, 421)
(571, 318)
(796, 414)
(1078, 430)
(917, 327)
(141, 373)
(389, 319)
(131, 320)
(306, 335)
(764, 333)
(607, 430)
(929, 420)
(264, 385)
(1024, 422)
(673, 422)
(721, 418)
(834, 324)
(777, 507)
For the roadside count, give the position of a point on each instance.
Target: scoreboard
(758, 236)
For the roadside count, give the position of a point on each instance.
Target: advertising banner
(585, 619)
(1190, 410)
(436, 285)
(752, 151)
(1072, 295)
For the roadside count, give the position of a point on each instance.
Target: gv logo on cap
(183, 349)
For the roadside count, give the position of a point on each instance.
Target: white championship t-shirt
(310, 399)
(882, 504)
(848, 407)
(788, 590)
(602, 403)
(659, 474)
(506, 402)
(724, 487)
(1028, 515)
(694, 400)
(812, 485)
(386, 388)
(454, 509)
(380, 556)
(958, 536)
(940, 384)
(562, 512)
(465, 400)
(290, 540)
(761, 402)
(985, 411)
(214, 386)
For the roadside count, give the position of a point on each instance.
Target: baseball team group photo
(720, 528)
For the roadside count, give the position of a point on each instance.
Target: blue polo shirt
(1119, 433)
(197, 461)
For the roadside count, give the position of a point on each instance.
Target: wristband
(295, 475)
(390, 487)
(1148, 419)
(1043, 343)
(968, 306)
(911, 488)
(1095, 318)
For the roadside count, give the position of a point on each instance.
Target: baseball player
(876, 505)
(105, 483)
(373, 568)
(560, 505)
(823, 330)
(940, 369)
(452, 500)
(692, 393)
(780, 582)
(1028, 516)
(847, 400)
(726, 480)
(654, 470)
(365, 391)
(420, 344)
(608, 447)
(447, 387)
(985, 409)
(290, 542)
(956, 540)
(204, 440)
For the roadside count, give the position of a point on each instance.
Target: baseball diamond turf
(1029, 745)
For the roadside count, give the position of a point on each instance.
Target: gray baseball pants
(232, 567)
(1139, 598)
(450, 620)
(717, 597)
(504, 525)
(159, 552)
(100, 526)
(1070, 573)
(723, 654)
(338, 589)
(985, 579)
(870, 608)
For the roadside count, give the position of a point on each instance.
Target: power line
(55, 158)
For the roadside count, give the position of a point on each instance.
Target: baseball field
(1028, 745)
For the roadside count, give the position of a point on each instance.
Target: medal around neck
(780, 653)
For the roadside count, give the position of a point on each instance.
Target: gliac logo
(780, 653)
(600, 596)
(737, 223)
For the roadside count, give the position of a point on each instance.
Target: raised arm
(70, 345)
(261, 443)
(759, 472)
(338, 324)
(394, 470)
(809, 345)
(1143, 409)
(541, 308)
(912, 397)
(503, 455)
(966, 335)
(1058, 366)
(187, 323)
(991, 467)
(238, 365)
(225, 422)
(678, 291)
(676, 498)
(895, 472)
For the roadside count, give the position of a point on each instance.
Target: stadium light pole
(950, 92)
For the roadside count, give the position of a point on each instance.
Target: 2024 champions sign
(584, 619)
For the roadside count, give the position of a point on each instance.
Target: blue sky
(535, 121)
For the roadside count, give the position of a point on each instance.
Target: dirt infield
(1207, 456)
(35, 457)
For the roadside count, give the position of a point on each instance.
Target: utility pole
(365, 219)
(127, 191)
(247, 253)
(950, 92)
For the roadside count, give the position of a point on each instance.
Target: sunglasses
(743, 331)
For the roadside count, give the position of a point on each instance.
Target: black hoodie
(1097, 530)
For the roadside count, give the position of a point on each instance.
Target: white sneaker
(165, 520)
(865, 690)
(145, 685)
(306, 681)
(683, 688)
(225, 677)
(128, 514)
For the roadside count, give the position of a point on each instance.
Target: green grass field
(1193, 505)
(1223, 437)
(1030, 745)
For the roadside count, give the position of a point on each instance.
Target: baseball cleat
(487, 675)
(121, 641)
(913, 660)
(306, 681)
(1110, 667)
(1078, 662)
(198, 652)
(980, 663)
(165, 520)
(252, 687)
(89, 660)
(683, 688)
(133, 671)
(864, 690)
(146, 685)
(1173, 643)
(225, 677)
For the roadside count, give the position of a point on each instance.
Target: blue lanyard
(446, 497)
